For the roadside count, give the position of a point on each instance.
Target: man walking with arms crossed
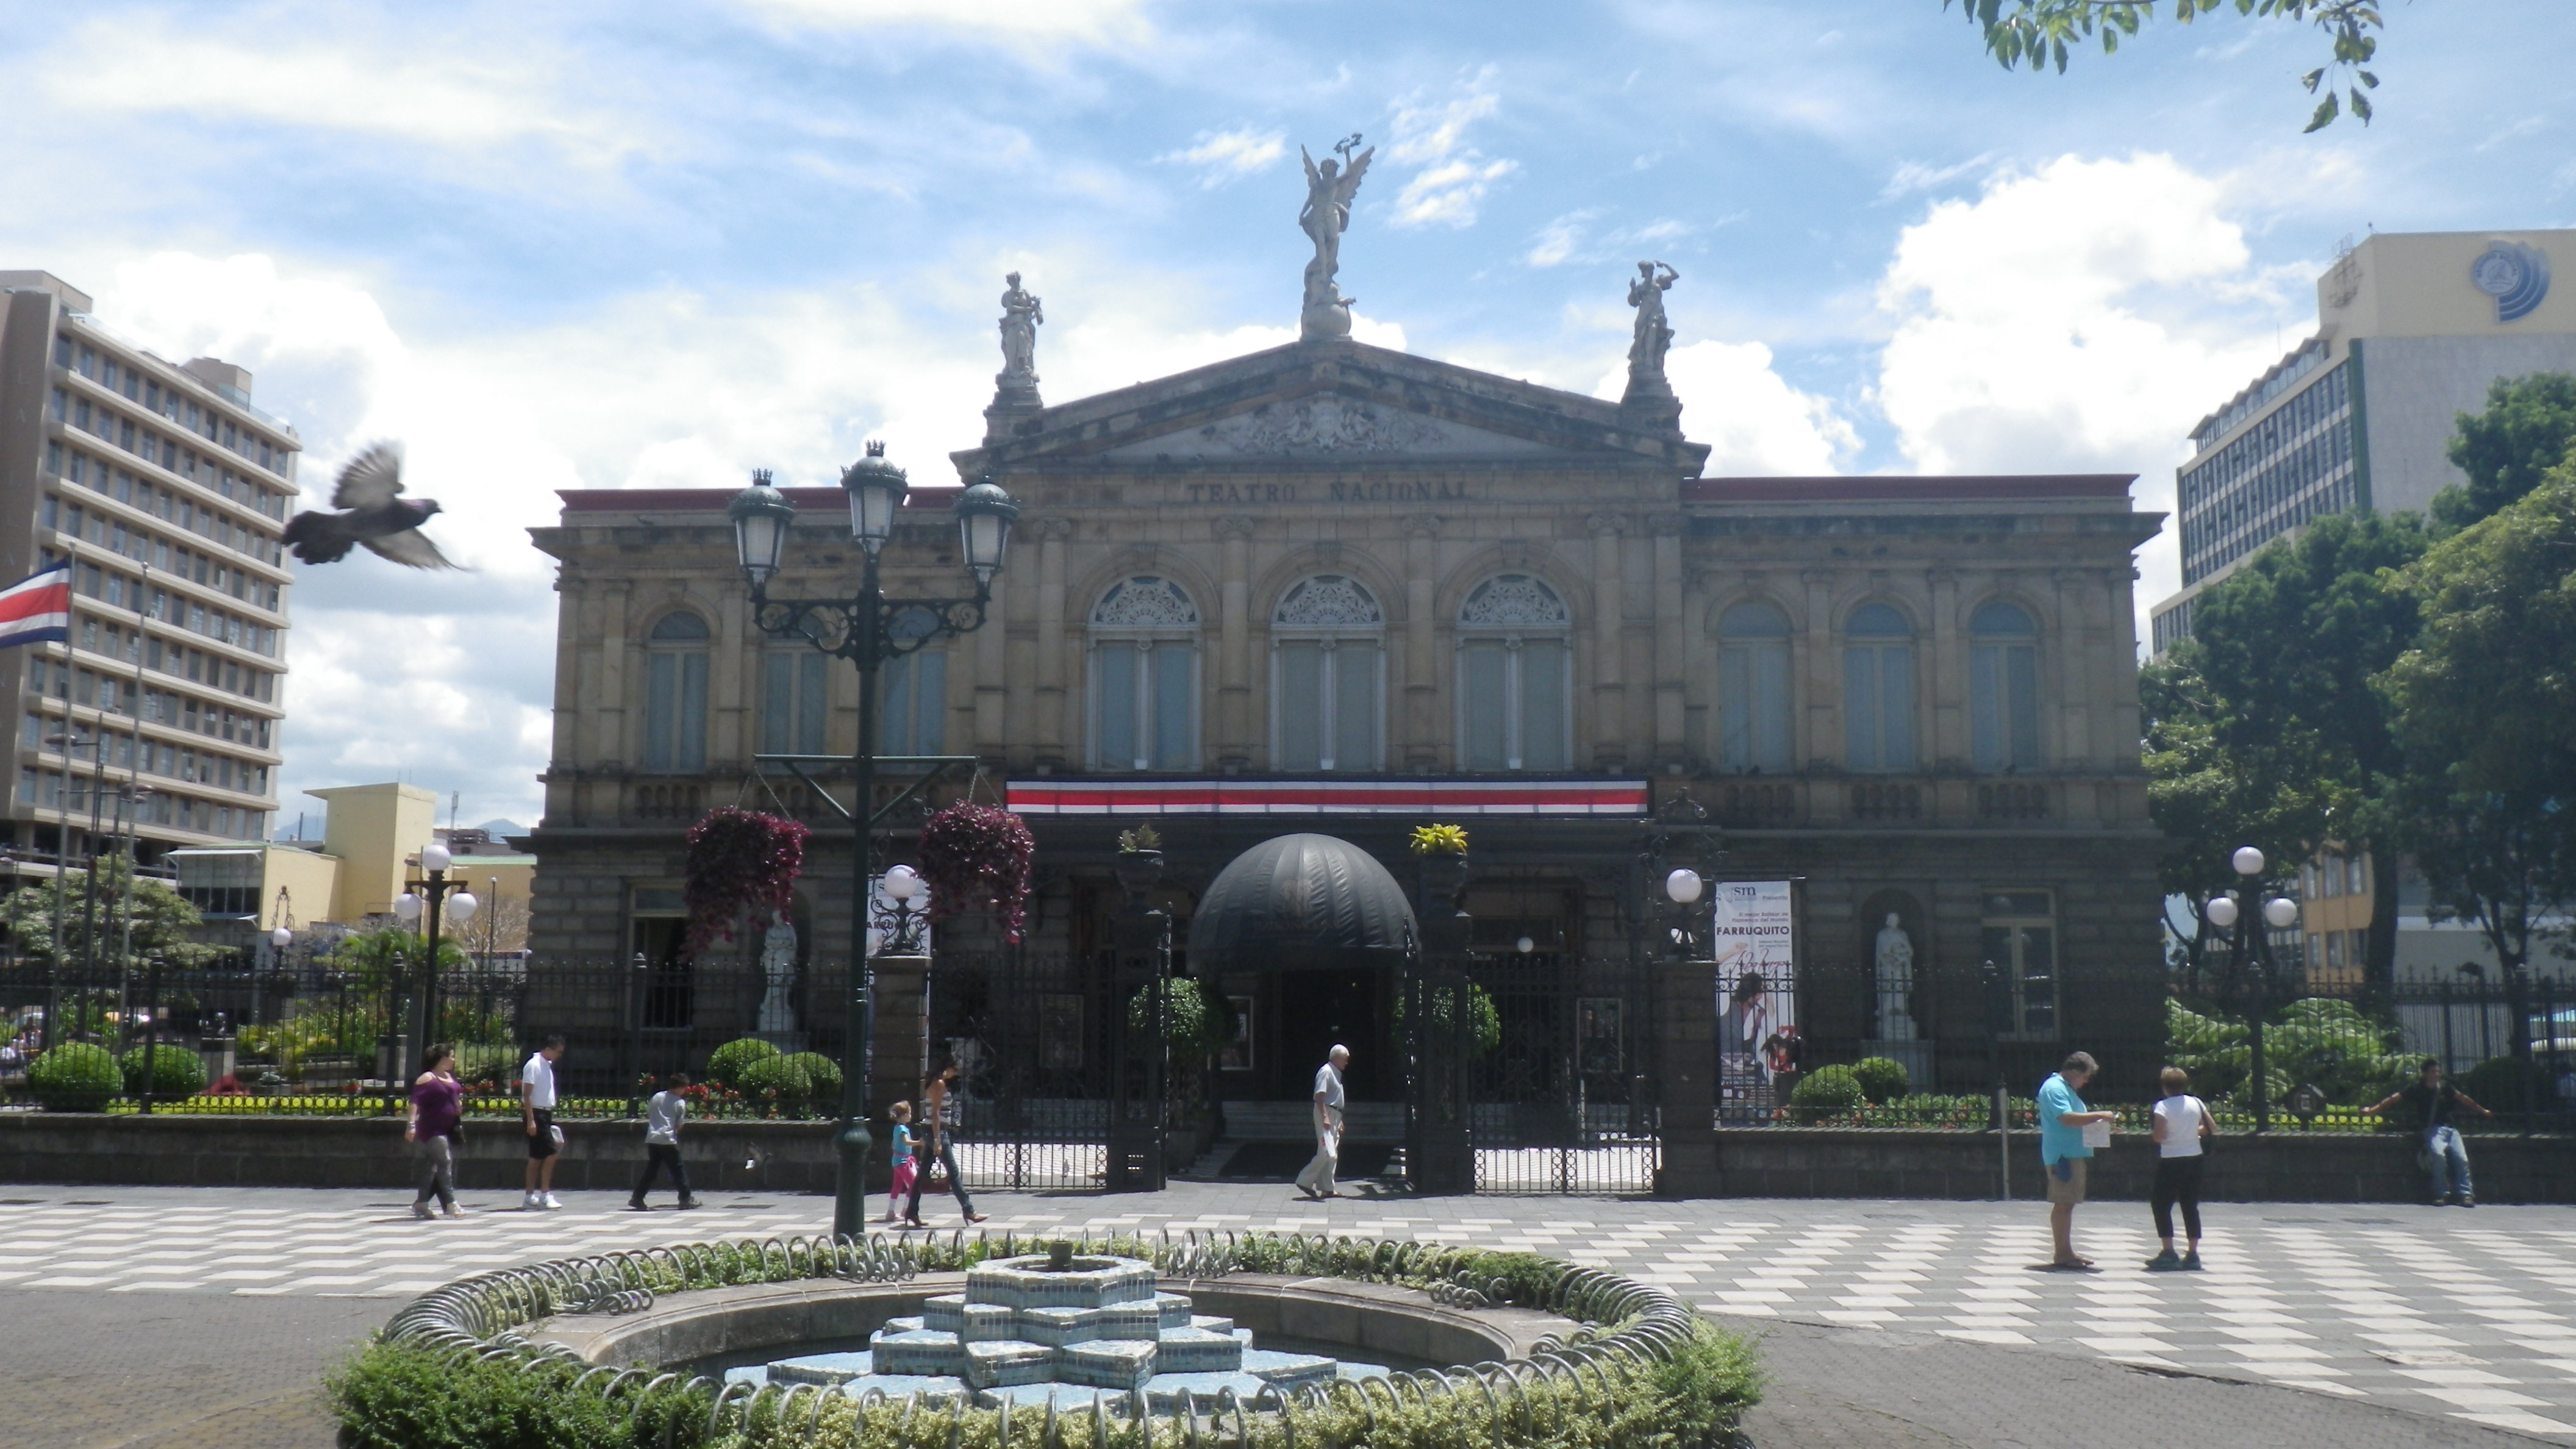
(1317, 1180)
(537, 1111)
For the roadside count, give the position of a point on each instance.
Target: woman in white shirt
(2181, 1126)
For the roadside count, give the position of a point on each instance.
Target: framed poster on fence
(1237, 1056)
(1060, 1031)
(1754, 936)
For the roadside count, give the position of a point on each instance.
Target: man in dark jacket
(2435, 1106)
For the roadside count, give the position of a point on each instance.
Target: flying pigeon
(374, 515)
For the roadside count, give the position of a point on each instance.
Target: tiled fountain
(1063, 1327)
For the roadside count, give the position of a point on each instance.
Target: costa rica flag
(38, 607)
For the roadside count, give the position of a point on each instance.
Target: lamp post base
(850, 1182)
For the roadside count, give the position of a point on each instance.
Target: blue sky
(657, 244)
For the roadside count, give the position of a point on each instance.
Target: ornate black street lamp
(867, 629)
(436, 895)
(2250, 964)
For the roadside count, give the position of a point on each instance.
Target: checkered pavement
(2443, 1312)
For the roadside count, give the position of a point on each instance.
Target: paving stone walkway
(2456, 1326)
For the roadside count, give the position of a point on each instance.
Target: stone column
(1420, 747)
(609, 709)
(2075, 721)
(1052, 742)
(1609, 611)
(902, 1042)
(1685, 1029)
(1822, 675)
(1945, 673)
(1234, 644)
(1671, 667)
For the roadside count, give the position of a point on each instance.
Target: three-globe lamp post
(2250, 962)
(866, 628)
(436, 895)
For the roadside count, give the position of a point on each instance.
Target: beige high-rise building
(2412, 329)
(167, 490)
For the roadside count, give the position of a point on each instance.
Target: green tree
(2527, 429)
(2486, 710)
(163, 921)
(2271, 724)
(2036, 32)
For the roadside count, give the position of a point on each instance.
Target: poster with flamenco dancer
(1758, 1048)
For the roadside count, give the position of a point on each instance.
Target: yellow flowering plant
(1439, 840)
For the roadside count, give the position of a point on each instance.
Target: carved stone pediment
(1323, 427)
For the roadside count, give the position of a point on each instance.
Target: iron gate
(1033, 1038)
(1562, 1075)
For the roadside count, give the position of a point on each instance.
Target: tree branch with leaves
(2037, 33)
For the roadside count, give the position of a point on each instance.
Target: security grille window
(675, 695)
(2294, 464)
(1327, 672)
(1878, 690)
(1515, 676)
(912, 703)
(2003, 688)
(793, 702)
(1753, 687)
(1144, 677)
(2020, 938)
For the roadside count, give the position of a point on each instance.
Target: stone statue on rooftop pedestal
(1326, 215)
(1015, 387)
(1021, 314)
(1649, 394)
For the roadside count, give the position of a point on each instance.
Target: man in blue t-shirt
(2062, 1150)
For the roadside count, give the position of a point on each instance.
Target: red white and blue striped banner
(37, 608)
(1440, 799)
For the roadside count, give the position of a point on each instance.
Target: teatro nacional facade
(1330, 587)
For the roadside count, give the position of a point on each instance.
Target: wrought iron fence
(1032, 1037)
(1561, 1080)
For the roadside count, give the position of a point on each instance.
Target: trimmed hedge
(1827, 1092)
(176, 1072)
(1882, 1079)
(75, 1077)
(822, 1076)
(774, 1074)
(726, 1063)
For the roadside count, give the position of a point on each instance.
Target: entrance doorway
(1319, 1008)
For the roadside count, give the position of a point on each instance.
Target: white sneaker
(551, 1203)
(420, 1210)
(528, 1202)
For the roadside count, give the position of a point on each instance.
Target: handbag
(936, 1179)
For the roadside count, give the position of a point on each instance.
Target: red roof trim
(1868, 488)
(713, 500)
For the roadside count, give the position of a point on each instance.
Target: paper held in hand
(2097, 1134)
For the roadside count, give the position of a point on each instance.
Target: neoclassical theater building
(1330, 587)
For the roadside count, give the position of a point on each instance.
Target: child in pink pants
(903, 1168)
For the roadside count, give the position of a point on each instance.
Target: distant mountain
(502, 829)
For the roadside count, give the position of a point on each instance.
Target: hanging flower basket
(972, 853)
(739, 860)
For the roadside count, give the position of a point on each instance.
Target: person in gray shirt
(662, 1118)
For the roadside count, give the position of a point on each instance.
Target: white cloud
(1754, 422)
(1567, 239)
(2079, 317)
(1222, 156)
(1913, 176)
(418, 94)
(1090, 21)
(1453, 176)
(1557, 241)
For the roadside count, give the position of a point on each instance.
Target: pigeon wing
(370, 480)
(318, 538)
(411, 548)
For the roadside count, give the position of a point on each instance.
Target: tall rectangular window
(1325, 700)
(1753, 688)
(1512, 705)
(1147, 697)
(675, 711)
(793, 703)
(912, 704)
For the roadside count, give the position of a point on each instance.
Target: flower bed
(451, 1370)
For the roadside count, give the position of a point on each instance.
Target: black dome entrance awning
(1301, 903)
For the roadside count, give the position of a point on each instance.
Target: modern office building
(2412, 328)
(167, 491)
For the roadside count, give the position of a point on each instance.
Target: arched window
(1878, 690)
(1144, 677)
(1515, 677)
(1327, 676)
(2003, 687)
(675, 694)
(1753, 687)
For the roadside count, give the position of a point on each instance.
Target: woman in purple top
(437, 1109)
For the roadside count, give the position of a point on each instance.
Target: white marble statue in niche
(1895, 960)
(778, 967)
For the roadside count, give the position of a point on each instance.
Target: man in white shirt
(537, 1112)
(1317, 1180)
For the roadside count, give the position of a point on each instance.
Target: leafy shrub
(1485, 1018)
(972, 853)
(725, 1065)
(2318, 1041)
(176, 1072)
(2501, 1084)
(1197, 1019)
(74, 1077)
(822, 1075)
(1827, 1092)
(774, 1073)
(1882, 1079)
